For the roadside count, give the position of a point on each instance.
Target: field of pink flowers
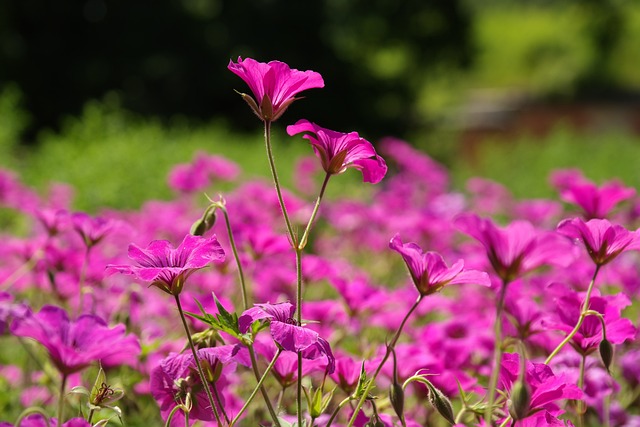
(409, 304)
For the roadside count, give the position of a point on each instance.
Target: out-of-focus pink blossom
(429, 271)
(74, 345)
(198, 175)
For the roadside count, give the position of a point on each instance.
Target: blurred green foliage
(523, 165)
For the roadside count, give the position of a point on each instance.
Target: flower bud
(520, 400)
(396, 396)
(442, 404)
(606, 353)
(204, 223)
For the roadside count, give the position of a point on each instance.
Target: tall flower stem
(298, 252)
(580, 404)
(497, 353)
(203, 378)
(63, 385)
(22, 270)
(232, 241)
(258, 387)
(390, 348)
(584, 312)
(83, 275)
(276, 181)
(338, 408)
(245, 303)
(307, 230)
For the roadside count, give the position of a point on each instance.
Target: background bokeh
(108, 94)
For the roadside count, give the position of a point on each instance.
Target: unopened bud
(205, 223)
(606, 353)
(520, 400)
(396, 396)
(442, 404)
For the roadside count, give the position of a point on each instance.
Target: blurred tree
(168, 57)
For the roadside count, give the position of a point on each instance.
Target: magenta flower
(197, 175)
(168, 268)
(74, 345)
(338, 151)
(516, 249)
(287, 333)
(37, 420)
(429, 271)
(176, 377)
(586, 340)
(274, 85)
(92, 229)
(603, 240)
(596, 202)
(547, 389)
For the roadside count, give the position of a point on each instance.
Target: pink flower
(596, 202)
(168, 268)
(176, 377)
(197, 175)
(287, 333)
(74, 345)
(92, 229)
(516, 249)
(429, 271)
(547, 389)
(37, 420)
(274, 85)
(338, 151)
(604, 241)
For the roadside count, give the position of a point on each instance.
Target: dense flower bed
(260, 307)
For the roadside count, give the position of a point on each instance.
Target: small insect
(104, 392)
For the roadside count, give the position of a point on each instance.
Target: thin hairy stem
(232, 241)
(497, 354)
(63, 385)
(263, 390)
(276, 181)
(255, 390)
(583, 313)
(203, 378)
(305, 235)
(390, 348)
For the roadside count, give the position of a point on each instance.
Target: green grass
(523, 165)
(115, 159)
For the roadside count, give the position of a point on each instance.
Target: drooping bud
(205, 222)
(396, 396)
(396, 392)
(606, 353)
(520, 400)
(441, 403)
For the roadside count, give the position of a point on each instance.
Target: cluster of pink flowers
(476, 323)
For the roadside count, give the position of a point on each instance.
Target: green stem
(255, 390)
(22, 270)
(334, 414)
(265, 395)
(583, 313)
(305, 235)
(203, 378)
(298, 252)
(90, 417)
(83, 275)
(276, 181)
(63, 385)
(497, 355)
(390, 348)
(232, 241)
(580, 403)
